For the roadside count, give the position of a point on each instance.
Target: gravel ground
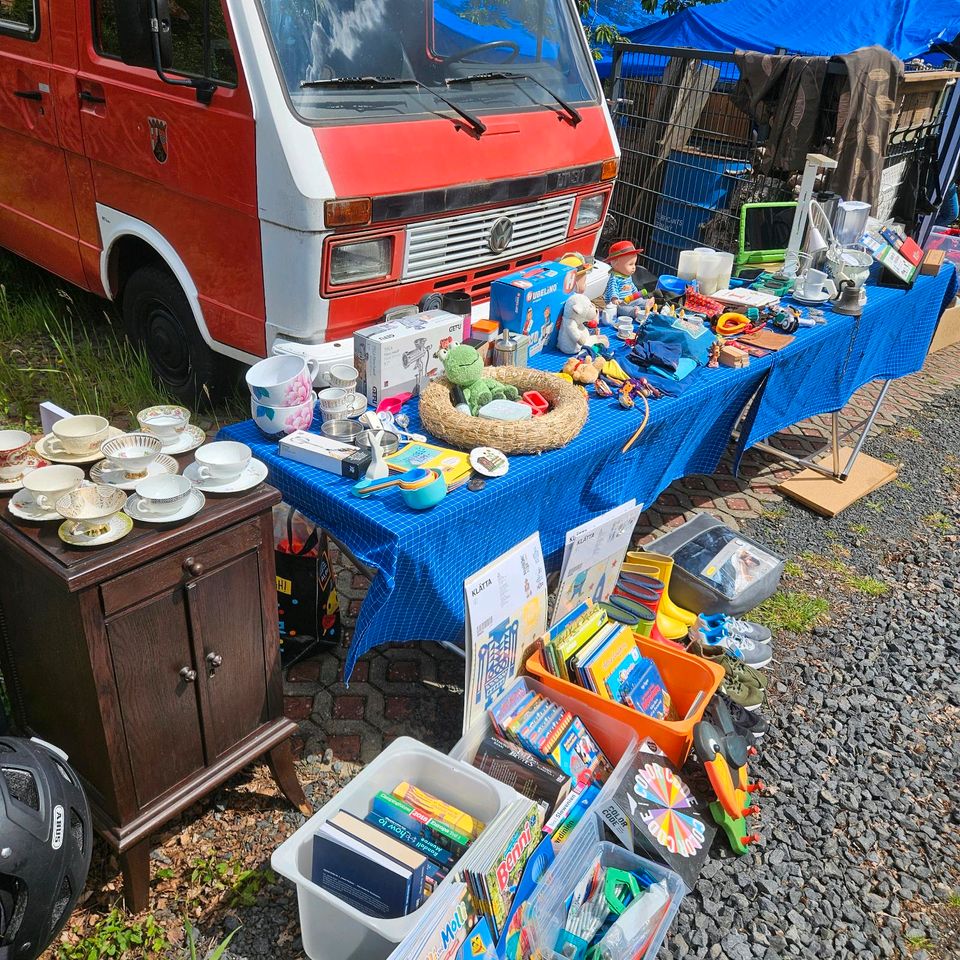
(860, 853)
(859, 857)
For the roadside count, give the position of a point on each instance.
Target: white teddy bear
(578, 313)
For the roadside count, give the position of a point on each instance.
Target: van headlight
(590, 211)
(364, 260)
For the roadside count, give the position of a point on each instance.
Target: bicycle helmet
(46, 839)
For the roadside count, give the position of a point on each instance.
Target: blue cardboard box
(530, 301)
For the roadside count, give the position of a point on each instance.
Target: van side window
(19, 17)
(196, 52)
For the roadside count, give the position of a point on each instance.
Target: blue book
(621, 672)
(360, 875)
(644, 690)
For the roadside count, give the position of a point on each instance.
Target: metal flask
(504, 351)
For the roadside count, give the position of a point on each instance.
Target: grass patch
(873, 505)
(919, 943)
(848, 576)
(871, 586)
(954, 901)
(65, 347)
(903, 484)
(911, 433)
(773, 513)
(938, 521)
(796, 611)
(859, 528)
(793, 569)
(117, 936)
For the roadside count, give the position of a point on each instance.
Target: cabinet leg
(135, 864)
(280, 761)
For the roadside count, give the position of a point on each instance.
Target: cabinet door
(150, 645)
(227, 625)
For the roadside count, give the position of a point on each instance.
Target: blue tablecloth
(422, 559)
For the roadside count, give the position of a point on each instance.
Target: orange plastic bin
(684, 675)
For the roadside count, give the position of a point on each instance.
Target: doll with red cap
(622, 257)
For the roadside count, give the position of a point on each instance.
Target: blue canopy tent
(905, 27)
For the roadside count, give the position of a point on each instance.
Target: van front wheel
(158, 319)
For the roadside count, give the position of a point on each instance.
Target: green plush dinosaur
(464, 369)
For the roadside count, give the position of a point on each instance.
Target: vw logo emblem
(501, 233)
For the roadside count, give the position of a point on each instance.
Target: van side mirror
(135, 19)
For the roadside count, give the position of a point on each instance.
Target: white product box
(401, 355)
(334, 456)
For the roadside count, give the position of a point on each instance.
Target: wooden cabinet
(154, 662)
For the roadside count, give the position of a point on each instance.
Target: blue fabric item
(422, 559)
(904, 27)
(647, 353)
(685, 366)
(689, 333)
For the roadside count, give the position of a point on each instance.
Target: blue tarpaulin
(815, 27)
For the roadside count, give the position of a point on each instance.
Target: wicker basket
(557, 428)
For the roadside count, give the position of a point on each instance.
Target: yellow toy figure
(621, 289)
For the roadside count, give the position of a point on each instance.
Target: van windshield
(523, 53)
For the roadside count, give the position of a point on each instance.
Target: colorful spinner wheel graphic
(681, 833)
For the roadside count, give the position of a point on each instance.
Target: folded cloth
(649, 353)
(685, 366)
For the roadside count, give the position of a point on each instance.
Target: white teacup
(132, 452)
(222, 460)
(80, 435)
(163, 495)
(48, 484)
(335, 400)
(90, 508)
(14, 449)
(813, 282)
(165, 421)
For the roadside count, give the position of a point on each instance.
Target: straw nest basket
(568, 414)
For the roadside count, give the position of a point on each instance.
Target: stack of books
(590, 650)
(389, 862)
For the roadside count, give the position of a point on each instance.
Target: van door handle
(87, 97)
(28, 94)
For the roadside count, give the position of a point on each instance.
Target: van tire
(158, 319)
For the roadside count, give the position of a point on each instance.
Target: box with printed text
(403, 354)
(531, 300)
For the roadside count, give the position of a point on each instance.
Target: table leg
(280, 761)
(135, 866)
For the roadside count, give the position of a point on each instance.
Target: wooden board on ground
(829, 497)
(948, 330)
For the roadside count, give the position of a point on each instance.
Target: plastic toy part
(536, 402)
(393, 404)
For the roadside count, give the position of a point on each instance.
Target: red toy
(536, 402)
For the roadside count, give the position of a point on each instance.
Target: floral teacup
(285, 420)
(282, 381)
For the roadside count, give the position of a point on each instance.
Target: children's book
(592, 556)
(643, 690)
(454, 465)
(608, 658)
(506, 607)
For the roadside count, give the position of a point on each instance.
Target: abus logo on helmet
(56, 841)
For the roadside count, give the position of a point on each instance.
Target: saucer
(194, 504)
(46, 450)
(118, 525)
(253, 473)
(191, 438)
(489, 461)
(103, 472)
(821, 297)
(30, 463)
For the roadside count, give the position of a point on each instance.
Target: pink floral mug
(282, 420)
(282, 381)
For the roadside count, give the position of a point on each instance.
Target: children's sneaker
(742, 694)
(752, 654)
(748, 723)
(739, 629)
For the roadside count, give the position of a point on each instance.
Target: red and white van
(240, 173)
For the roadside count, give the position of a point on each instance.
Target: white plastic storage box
(548, 909)
(618, 742)
(331, 928)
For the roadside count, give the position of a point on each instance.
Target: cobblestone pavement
(416, 689)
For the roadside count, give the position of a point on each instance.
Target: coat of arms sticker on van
(158, 138)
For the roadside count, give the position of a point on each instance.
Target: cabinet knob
(193, 567)
(188, 675)
(215, 660)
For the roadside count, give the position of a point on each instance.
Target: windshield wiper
(571, 113)
(475, 123)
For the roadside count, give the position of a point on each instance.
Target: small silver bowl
(345, 430)
(389, 442)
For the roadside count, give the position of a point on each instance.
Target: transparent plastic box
(332, 929)
(547, 909)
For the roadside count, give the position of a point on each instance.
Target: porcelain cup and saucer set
(814, 288)
(18, 459)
